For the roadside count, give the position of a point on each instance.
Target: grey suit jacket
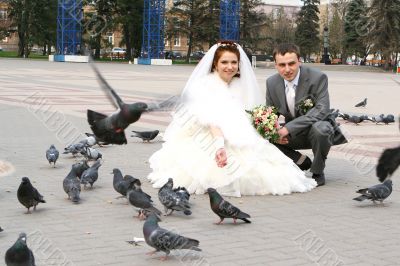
(312, 84)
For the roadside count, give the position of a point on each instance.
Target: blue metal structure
(69, 31)
(229, 20)
(153, 31)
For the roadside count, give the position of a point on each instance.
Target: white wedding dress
(255, 167)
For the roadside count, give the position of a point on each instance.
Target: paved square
(43, 103)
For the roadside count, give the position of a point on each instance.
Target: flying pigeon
(376, 193)
(164, 240)
(52, 155)
(141, 200)
(121, 183)
(224, 209)
(172, 200)
(388, 162)
(91, 174)
(91, 153)
(110, 129)
(19, 254)
(362, 104)
(71, 183)
(28, 195)
(1, 229)
(145, 135)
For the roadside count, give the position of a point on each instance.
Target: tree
(44, 30)
(307, 32)
(384, 27)
(356, 29)
(192, 21)
(336, 35)
(250, 20)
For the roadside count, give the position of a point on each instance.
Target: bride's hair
(225, 46)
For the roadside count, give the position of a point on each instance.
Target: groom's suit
(317, 129)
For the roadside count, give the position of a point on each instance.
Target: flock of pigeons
(110, 130)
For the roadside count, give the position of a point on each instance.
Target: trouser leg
(320, 137)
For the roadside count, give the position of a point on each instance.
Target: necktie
(290, 95)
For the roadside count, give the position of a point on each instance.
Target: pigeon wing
(388, 162)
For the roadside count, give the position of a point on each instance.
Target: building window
(3, 14)
(177, 41)
(110, 38)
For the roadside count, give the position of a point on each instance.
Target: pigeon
(110, 129)
(146, 135)
(1, 229)
(91, 153)
(98, 141)
(182, 192)
(354, 119)
(376, 193)
(378, 119)
(388, 162)
(365, 117)
(164, 240)
(361, 104)
(172, 200)
(121, 183)
(91, 174)
(388, 119)
(89, 141)
(75, 148)
(52, 155)
(19, 254)
(71, 183)
(344, 116)
(80, 167)
(28, 195)
(224, 209)
(141, 200)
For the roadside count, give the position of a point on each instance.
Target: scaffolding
(153, 31)
(69, 29)
(229, 20)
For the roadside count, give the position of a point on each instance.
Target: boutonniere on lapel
(306, 104)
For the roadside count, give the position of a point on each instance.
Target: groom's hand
(221, 158)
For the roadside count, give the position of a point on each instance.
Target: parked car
(118, 50)
(197, 55)
(173, 55)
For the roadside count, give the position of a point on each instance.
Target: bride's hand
(221, 158)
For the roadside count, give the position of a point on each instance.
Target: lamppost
(326, 46)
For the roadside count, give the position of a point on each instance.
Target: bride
(211, 142)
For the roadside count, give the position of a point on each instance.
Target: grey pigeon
(52, 155)
(1, 229)
(28, 195)
(89, 141)
(121, 183)
(90, 175)
(145, 135)
(164, 240)
(71, 183)
(388, 119)
(344, 116)
(366, 117)
(75, 148)
(376, 193)
(378, 119)
(141, 200)
(362, 104)
(91, 153)
(182, 192)
(19, 254)
(224, 209)
(354, 119)
(110, 129)
(98, 141)
(171, 200)
(80, 167)
(388, 162)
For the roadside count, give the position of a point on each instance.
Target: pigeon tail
(246, 220)
(187, 212)
(361, 198)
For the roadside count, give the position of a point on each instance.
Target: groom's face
(287, 65)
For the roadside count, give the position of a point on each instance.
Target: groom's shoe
(319, 178)
(304, 163)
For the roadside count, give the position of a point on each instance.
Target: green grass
(13, 54)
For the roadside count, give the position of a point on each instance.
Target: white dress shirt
(290, 90)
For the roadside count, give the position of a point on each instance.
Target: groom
(301, 95)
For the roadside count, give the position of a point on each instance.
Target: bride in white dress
(211, 141)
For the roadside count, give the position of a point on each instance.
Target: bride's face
(227, 66)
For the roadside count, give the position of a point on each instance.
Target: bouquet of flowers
(265, 121)
(305, 105)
